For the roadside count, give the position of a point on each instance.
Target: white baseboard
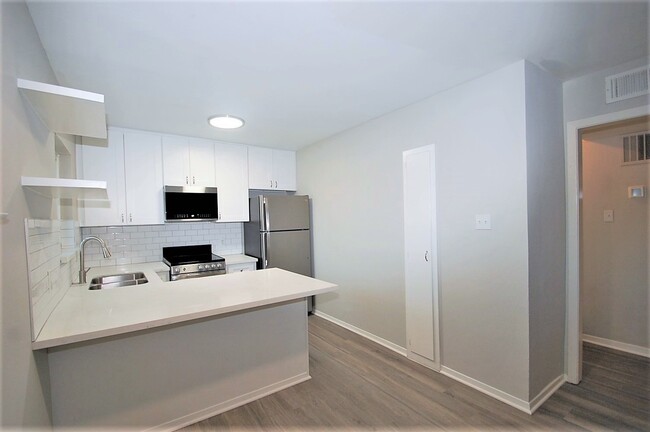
(621, 346)
(381, 341)
(230, 404)
(504, 397)
(546, 393)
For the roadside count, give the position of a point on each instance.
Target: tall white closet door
(421, 276)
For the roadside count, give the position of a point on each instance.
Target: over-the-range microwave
(190, 203)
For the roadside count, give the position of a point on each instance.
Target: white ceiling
(298, 72)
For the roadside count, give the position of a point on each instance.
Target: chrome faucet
(105, 252)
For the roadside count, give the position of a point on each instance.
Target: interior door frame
(435, 285)
(573, 364)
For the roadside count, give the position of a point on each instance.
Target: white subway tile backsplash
(144, 243)
(49, 274)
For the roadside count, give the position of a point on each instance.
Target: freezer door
(284, 212)
(288, 250)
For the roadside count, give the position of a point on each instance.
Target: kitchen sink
(118, 280)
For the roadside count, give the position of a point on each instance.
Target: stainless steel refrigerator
(278, 233)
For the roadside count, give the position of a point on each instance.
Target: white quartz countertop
(84, 315)
(239, 259)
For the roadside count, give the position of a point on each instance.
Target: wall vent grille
(627, 85)
(636, 148)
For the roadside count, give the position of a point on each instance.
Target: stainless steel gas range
(187, 262)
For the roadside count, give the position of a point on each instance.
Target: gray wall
(616, 262)
(27, 149)
(546, 227)
(355, 180)
(584, 97)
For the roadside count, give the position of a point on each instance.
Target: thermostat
(636, 191)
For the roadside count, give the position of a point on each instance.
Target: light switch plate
(483, 222)
(608, 216)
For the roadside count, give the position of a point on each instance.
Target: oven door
(197, 274)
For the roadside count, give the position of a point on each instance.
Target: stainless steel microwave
(191, 203)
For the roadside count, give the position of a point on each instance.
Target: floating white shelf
(66, 188)
(66, 110)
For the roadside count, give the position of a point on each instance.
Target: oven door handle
(197, 274)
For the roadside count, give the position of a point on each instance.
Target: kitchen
(365, 181)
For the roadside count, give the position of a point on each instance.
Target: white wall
(355, 180)
(546, 227)
(27, 149)
(616, 289)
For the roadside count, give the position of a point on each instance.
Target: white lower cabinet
(241, 267)
(131, 165)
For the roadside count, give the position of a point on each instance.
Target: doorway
(575, 312)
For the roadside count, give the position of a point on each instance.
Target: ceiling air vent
(627, 85)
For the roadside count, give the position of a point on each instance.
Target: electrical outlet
(483, 222)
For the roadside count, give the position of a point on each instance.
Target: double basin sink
(118, 280)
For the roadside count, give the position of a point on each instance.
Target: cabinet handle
(276, 184)
(122, 217)
(271, 183)
(426, 256)
(187, 180)
(193, 180)
(130, 217)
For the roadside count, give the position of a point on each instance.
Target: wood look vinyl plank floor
(359, 385)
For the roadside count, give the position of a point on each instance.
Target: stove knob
(214, 266)
(200, 266)
(176, 270)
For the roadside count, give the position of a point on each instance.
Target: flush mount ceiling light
(224, 121)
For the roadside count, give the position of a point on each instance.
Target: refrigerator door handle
(265, 250)
(264, 219)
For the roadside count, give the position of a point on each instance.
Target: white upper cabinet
(144, 178)
(260, 168)
(231, 167)
(176, 161)
(188, 161)
(103, 163)
(131, 165)
(270, 169)
(284, 170)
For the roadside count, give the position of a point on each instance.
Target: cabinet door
(202, 163)
(231, 166)
(103, 163)
(176, 161)
(144, 179)
(260, 168)
(238, 268)
(284, 170)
